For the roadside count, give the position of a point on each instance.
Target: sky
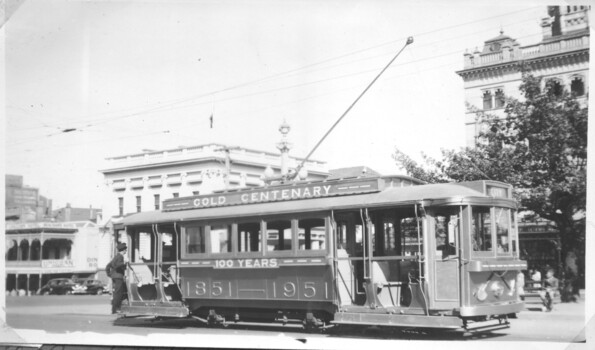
(89, 80)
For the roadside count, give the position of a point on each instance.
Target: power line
(166, 106)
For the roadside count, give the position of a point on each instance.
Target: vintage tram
(382, 251)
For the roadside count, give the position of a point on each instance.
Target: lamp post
(284, 146)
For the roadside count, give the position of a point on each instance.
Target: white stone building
(140, 182)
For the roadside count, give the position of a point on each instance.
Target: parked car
(58, 286)
(90, 286)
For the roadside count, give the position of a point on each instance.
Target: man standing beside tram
(117, 271)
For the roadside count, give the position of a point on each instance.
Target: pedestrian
(118, 272)
(551, 285)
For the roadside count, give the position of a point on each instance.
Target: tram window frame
(512, 239)
(202, 243)
(411, 227)
(481, 249)
(327, 234)
(173, 248)
(506, 244)
(449, 248)
(292, 229)
(134, 238)
(238, 239)
(220, 227)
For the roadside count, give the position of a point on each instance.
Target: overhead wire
(94, 122)
(272, 90)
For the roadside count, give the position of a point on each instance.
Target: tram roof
(429, 194)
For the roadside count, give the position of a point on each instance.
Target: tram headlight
(497, 288)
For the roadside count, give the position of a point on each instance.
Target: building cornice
(518, 64)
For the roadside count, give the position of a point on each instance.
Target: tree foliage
(539, 147)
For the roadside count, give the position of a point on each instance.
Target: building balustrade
(527, 52)
(205, 151)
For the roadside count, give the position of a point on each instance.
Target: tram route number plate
(258, 289)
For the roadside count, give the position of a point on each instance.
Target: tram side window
(312, 234)
(411, 241)
(220, 238)
(350, 233)
(482, 229)
(503, 222)
(447, 230)
(279, 235)
(168, 245)
(249, 237)
(143, 246)
(195, 240)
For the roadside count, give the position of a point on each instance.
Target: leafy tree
(539, 147)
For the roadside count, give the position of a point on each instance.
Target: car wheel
(68, 292)
(99, 292)
(45, 292)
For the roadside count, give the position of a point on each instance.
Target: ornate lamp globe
(284, 128)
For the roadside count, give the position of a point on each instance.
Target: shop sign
(56, 263)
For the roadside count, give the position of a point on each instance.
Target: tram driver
(442, 245)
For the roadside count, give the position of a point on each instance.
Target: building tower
(495, 72)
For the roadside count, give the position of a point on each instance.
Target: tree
(539, 147)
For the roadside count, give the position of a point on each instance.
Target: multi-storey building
(495, 72)
(37, 252)
(140, 182)
(24, 203)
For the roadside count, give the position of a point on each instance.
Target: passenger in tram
(443, 246)
(117, 275)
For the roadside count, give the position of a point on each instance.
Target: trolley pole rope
(290, 177)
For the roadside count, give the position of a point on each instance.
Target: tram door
(368, 249)
(445, 226)
(152, 276)
(350, 272)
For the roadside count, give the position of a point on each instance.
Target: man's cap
(122, 246)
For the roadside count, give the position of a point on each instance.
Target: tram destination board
(275, 194)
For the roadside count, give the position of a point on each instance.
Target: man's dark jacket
(118, 266)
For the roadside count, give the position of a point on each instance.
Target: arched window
(24, 247)
(500, 101)
(555, 87)
(13, 248)
(35, 250)
(487, 100)
(577, 87)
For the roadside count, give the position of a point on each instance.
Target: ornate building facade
(39, 251)
(495, 71)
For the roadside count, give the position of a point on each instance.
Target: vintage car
(58, 286)
(90, 286)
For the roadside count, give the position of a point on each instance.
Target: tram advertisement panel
(286, 283)
(280, 193)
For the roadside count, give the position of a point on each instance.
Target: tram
(370, 251)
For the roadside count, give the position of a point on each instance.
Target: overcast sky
(134, 75)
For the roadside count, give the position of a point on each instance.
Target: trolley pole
(297, 170)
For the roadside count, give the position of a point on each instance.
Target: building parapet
(205, 151)
(41, 225)
(516, 53)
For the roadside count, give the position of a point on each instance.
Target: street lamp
(284, 146)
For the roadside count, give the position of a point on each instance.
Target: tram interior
(383, 269)
(153, 267)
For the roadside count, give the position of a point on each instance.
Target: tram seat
(142, 286)
(388, 293)
(143, 274)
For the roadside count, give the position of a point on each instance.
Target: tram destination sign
(275, 194)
